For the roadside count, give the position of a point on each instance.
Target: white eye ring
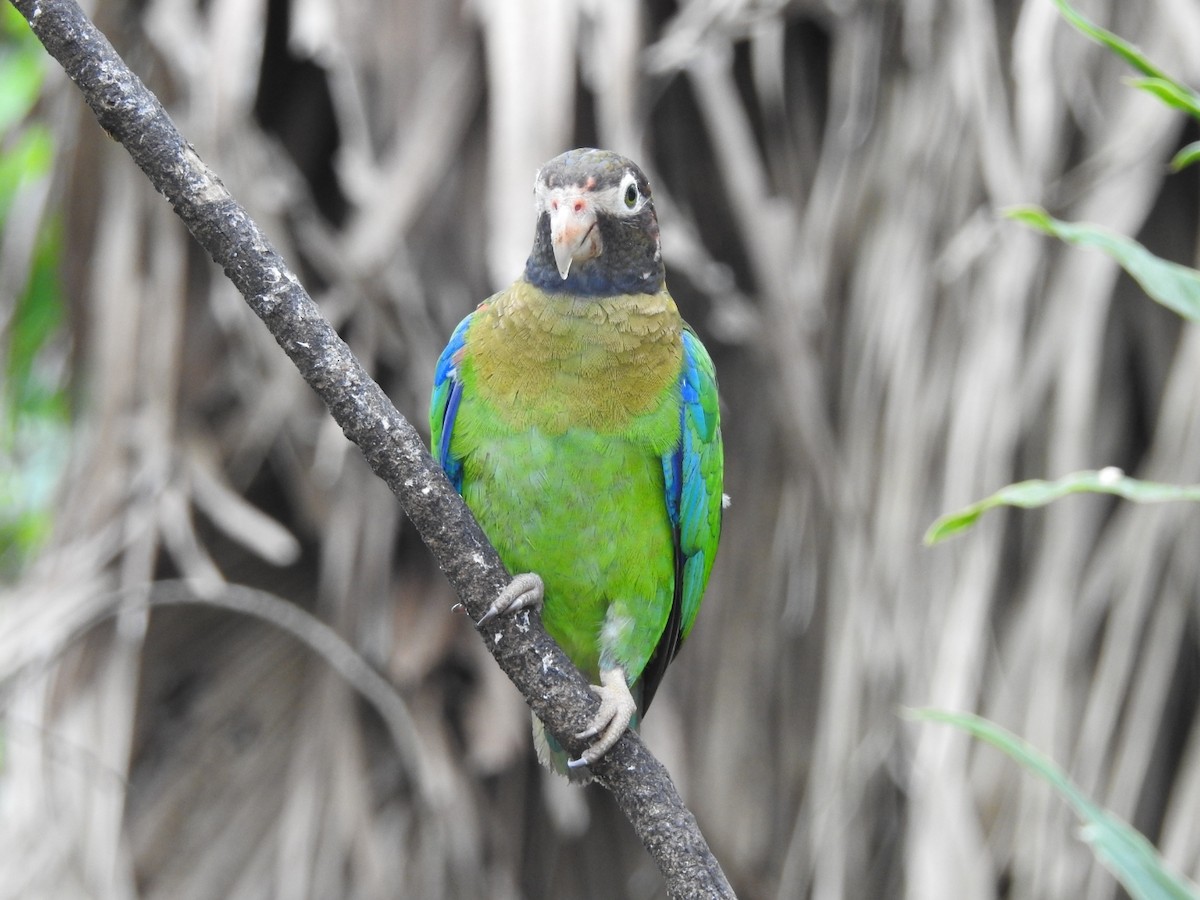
(630, 203)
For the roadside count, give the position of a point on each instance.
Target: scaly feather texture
(582, 428)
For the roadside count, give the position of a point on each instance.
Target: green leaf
(21, 75)
(34, 409)
(13, 25)
(1174, 286)
(1170, 92)
(1157, 82)
(1118, 45)
(29, 157)
(1186, 156)
(1118, 846)
(33, 454)
(36, 318)
(1031, 494)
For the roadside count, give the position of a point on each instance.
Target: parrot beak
(574, 236)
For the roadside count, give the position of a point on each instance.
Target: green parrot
(577, 415)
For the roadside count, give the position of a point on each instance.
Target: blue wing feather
(692, 479)
(702, 475)
(443, 407)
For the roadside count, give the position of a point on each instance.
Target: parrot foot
(525, 591)
(617, 707)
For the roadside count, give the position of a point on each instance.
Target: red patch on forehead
(590, 184)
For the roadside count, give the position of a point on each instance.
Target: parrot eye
(630, 194)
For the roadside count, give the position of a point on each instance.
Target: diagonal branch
(550, 683)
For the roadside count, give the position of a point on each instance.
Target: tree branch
(550, 683)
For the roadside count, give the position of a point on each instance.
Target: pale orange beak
(574, 236)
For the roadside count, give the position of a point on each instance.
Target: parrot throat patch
(631, 262)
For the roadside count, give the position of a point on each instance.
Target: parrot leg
(617, 707)
(525, 591)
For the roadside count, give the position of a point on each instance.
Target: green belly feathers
(586, 512)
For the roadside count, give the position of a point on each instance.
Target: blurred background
(181, 514)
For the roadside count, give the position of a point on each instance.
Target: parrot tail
(551, 754)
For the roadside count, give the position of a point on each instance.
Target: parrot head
(597, 234)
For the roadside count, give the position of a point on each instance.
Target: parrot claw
(525, 591)
(617, 708)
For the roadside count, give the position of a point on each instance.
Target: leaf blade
(1172, 93)
(1119, 847)
(1186, 156)
(1167, 283)
(1037, 492)
(1117, 44)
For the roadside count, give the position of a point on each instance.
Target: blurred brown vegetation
(827, 175)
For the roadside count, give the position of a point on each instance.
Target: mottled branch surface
(551, 685)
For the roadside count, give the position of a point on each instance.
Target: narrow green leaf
(13, 25)
(21, 75)
(1030, 494)
(1118, 846)
(1157, 82)
(1186, 156)
(22, 68)
(1018, 748)
(28, 158)
(1118, 45)
(1174, 286)
(1170, 92)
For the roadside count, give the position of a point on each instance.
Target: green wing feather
(703, 466)
(693, 479)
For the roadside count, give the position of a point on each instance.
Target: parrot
(577, 414)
